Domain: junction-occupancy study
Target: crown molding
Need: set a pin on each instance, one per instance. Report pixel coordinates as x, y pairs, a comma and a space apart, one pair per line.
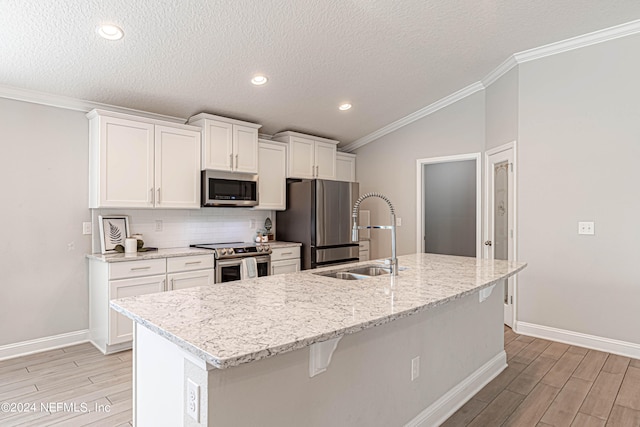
417, 115
511, 62
578, 42
75, 104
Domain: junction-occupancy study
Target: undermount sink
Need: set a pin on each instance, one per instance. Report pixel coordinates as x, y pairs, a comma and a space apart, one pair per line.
358, 273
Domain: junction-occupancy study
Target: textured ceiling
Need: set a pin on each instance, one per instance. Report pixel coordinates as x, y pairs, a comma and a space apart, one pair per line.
388, 58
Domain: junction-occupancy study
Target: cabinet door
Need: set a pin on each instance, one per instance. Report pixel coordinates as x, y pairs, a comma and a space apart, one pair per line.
217, 145
177, 170
245, 149
190, 279
325, 156
363, 255
272, 187
121, 327
345, 168
301, 153
126, 163
285, 266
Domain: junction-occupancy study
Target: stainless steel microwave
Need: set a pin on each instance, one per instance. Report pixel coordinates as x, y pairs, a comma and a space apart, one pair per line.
229, 189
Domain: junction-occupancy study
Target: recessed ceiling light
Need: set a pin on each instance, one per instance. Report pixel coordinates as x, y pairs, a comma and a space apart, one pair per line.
110, 31
344, 107
259, 80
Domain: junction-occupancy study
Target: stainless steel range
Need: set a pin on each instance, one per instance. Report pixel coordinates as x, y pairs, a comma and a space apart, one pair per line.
229, 257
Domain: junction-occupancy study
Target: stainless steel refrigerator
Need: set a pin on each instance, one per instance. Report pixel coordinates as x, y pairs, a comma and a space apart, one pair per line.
318, 215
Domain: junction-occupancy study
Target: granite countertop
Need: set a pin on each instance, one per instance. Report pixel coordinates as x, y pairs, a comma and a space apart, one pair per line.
160, 253
170, 253
232, 323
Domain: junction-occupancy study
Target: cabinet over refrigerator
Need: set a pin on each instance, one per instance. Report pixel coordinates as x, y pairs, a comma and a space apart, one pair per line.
319, 216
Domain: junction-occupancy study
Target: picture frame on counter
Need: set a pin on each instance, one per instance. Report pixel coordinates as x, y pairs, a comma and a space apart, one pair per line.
113, 230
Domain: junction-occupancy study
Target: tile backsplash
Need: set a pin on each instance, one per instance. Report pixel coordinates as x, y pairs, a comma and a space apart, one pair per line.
183, 227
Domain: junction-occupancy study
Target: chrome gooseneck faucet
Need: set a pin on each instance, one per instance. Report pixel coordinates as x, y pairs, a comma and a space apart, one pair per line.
354, 231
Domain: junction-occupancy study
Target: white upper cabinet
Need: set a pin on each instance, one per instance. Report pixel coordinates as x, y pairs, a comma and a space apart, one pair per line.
272, 173
135, 162
227, 144
346, 167
309, 156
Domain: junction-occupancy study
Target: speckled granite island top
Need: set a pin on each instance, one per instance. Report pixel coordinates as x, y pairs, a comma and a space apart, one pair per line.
232, 323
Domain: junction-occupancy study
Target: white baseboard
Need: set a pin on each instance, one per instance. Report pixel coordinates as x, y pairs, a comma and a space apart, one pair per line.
622, 348
438, 412
42, 344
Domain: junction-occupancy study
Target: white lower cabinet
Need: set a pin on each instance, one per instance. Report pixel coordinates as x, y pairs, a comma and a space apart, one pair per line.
111, 331
121, 327
285, 260
189, 279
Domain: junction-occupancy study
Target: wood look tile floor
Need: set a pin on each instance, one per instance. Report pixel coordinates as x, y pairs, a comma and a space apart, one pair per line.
72, 386
546, 384
554, 384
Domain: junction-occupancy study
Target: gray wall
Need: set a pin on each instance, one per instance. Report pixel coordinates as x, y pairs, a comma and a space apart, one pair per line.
576, 118
579, 147
388, 165
44, 171
502, 110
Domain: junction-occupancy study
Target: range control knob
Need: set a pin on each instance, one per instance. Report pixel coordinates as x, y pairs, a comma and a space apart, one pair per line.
266, 248
259, 248
223, 251
230, 251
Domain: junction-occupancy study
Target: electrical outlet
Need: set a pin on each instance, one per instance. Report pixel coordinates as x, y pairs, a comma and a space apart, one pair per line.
586, 227
415, 368
158, 225
71, 246
193, 400
252, 224
86, 228
398, 222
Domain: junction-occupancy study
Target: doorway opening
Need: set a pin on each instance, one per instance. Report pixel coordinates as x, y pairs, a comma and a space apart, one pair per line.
449, 205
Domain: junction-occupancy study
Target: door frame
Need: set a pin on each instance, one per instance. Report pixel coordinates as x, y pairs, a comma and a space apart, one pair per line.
420, 163
487, 175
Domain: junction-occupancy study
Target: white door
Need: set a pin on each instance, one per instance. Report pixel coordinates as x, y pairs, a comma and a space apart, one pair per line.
217, 146
500, 231
177, 168
245, 149
272, 170
301, 164
190, 279
325, 160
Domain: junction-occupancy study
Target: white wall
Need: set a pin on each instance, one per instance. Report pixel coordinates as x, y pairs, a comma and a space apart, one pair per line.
44, 192
579, 149
43, 186
388, 165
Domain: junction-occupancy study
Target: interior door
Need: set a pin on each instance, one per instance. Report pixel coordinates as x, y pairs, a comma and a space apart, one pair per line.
499, 242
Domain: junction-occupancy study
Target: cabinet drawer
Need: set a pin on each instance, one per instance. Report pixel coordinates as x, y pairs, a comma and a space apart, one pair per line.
189, 279
189, 263
363, 255
285, 253
127, 269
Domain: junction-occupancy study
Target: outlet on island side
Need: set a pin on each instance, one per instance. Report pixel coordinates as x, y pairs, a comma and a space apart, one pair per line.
415, 368
193, 400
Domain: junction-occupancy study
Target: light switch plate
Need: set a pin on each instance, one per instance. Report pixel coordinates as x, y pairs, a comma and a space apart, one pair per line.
586, 227
86, 228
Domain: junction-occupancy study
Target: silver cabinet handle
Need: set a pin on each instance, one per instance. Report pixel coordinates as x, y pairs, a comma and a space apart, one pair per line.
172, 285
286, 253
317, 171
230, 161
164, 285
236, 161
193, 262
152, 198
140, 268
158, 195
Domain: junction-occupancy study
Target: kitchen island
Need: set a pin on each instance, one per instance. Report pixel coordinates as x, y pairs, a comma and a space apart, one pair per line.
305, 349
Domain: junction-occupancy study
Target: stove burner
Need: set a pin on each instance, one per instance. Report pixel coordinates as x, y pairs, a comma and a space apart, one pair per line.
235, 249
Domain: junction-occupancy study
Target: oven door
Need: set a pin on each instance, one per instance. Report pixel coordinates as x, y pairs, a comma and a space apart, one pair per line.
228, 270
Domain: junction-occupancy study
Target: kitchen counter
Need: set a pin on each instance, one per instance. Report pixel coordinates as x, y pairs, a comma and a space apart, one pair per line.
239, 322
338, 352
139, 256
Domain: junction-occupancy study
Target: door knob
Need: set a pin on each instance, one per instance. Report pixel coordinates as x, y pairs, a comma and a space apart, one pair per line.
487, 243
